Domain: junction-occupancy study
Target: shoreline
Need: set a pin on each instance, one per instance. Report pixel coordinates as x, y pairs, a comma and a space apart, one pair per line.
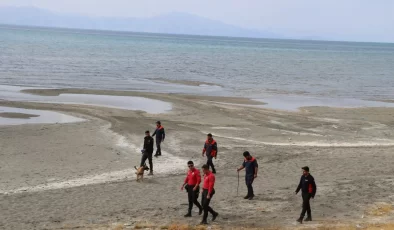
92, 171
185, 82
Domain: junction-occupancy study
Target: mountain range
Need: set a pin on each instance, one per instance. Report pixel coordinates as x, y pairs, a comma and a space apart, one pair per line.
171, 23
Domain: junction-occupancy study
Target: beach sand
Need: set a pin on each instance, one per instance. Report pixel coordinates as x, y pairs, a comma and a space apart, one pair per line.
81, 175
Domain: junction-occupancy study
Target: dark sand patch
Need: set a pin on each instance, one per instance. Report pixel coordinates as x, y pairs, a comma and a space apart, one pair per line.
184, 82
18, 115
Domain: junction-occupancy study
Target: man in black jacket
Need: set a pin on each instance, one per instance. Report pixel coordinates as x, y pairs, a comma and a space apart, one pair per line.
308, 187
148, 151
251, 167
160, 135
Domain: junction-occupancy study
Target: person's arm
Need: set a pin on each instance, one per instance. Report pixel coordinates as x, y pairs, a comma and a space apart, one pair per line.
215, 150
198, 177
152, 142
242, 167
256, 168
203, 150
313, 187
154, 133
145, 144
185, 182
211, 184
164, 135
299, 186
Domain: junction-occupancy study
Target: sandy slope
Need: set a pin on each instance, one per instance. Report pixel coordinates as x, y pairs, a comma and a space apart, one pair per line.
82, 174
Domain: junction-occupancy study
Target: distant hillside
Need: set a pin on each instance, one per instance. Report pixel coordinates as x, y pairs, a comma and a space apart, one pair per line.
173, 23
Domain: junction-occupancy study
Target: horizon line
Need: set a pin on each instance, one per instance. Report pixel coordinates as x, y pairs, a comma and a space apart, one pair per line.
124, 32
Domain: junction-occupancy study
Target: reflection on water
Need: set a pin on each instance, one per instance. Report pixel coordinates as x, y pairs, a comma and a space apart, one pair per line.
13, 93
41, 117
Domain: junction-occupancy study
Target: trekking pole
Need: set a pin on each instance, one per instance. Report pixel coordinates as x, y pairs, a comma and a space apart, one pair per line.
238, 184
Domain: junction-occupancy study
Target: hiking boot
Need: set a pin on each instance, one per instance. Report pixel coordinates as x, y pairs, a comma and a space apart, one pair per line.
150, 173
300, 220
246, 197
251, 197
204, 222
215, 214
308, 219
189, 214
200, 211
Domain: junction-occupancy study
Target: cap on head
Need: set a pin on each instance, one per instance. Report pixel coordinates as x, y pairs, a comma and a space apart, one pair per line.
158, 122
209, 135
190, 163
246, 154
205, 167
147, 131
306, 168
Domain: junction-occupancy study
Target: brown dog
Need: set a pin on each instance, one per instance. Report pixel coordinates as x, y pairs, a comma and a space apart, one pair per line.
140, 172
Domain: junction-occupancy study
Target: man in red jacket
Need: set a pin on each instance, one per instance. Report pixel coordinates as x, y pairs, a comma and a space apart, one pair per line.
208, 192
211, 150
192, 182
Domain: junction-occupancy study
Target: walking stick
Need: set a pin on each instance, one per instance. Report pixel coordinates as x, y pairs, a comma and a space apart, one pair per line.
238, 184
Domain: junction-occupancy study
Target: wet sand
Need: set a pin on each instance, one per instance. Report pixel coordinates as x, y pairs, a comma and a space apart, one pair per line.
183, 82
79, 175
17, 115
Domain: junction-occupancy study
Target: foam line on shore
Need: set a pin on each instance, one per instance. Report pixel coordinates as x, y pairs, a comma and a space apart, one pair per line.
312, 143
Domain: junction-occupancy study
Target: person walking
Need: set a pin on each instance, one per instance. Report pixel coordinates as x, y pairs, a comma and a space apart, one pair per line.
308, 187
192, 182
211, 150
207, 194
251, 167
147, 151
160, 135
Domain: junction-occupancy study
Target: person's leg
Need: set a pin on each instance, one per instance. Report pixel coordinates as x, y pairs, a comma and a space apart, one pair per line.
143, 159
159, 148
305, 204
195, 201
150, 163
210, 163
205, 203
210, 209
308, 209
251, 187
247, 186
190, 199
249, 181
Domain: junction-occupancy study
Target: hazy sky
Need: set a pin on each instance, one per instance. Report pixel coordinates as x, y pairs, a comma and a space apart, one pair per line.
343, 19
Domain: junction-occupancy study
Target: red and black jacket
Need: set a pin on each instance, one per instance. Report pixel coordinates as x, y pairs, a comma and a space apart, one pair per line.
211, 148
160, 134
307, 185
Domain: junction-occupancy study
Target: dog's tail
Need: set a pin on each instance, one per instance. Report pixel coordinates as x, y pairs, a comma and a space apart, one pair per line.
135, 167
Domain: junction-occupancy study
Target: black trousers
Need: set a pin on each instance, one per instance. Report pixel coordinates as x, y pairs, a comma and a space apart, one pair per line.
193, 196
249, 181
306, 206
210, 163
148, 156
158, 148
205, 204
